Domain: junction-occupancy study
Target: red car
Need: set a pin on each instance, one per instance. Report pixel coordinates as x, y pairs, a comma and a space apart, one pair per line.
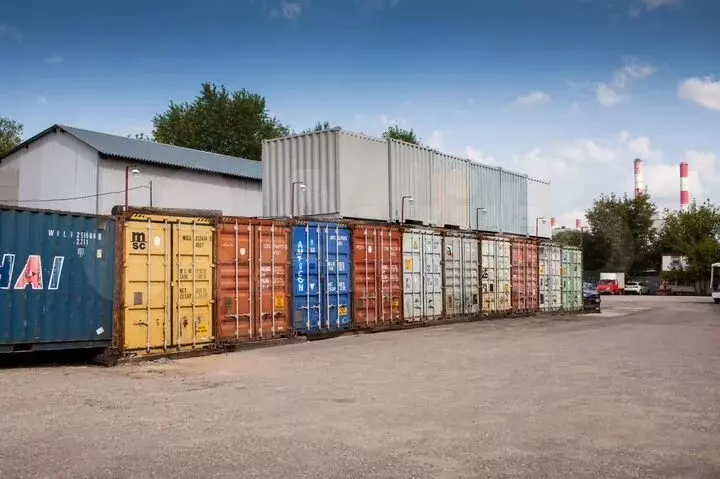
609, 286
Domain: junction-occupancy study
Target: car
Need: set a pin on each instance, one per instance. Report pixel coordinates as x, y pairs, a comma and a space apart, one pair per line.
636, 287
591, 298
609, 286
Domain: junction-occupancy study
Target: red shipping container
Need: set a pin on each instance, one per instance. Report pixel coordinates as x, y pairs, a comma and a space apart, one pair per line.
524, 275
253, 280
377, 276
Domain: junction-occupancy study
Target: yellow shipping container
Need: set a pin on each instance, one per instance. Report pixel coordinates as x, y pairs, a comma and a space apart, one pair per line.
167, 283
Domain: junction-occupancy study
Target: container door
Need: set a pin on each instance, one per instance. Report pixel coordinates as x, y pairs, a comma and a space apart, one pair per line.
452, 262
148, 261
192, 284
336, 271
471, 276
533, 302
554, 279
365, 276
503, 276
235, 282
543, 271
306, 272
413, 276
271, 250
487, 275
390, 284
432, 266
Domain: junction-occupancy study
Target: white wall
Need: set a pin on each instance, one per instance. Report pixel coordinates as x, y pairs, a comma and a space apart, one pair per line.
54, 168
178, 188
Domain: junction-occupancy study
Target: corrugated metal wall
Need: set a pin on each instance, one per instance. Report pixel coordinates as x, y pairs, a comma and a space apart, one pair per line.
538, 208
450, 198
364, 177
484, 184
513, 203
410, 174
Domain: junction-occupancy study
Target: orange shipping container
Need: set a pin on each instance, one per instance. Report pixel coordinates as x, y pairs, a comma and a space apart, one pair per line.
524, 285
377, 276
253, 280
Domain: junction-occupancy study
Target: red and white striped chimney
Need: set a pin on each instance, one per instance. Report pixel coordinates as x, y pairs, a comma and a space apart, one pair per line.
553, 222
684, 186
578, 224
639, 189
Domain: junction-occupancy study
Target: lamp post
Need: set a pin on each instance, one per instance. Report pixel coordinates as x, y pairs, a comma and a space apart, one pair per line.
582, 229
537, 225
129, 170
302, 187
402, 208
477, 216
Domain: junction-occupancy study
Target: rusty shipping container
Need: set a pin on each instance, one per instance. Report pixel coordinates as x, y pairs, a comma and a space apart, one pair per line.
495, 275
253, 280
377, 276
525, 268
461, 275
166, 263
422, 275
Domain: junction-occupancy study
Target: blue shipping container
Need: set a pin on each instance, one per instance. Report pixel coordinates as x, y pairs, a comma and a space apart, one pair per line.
56, 280
322, 295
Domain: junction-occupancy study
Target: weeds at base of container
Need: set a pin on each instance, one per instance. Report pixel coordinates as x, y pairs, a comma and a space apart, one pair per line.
231, 347
130, 358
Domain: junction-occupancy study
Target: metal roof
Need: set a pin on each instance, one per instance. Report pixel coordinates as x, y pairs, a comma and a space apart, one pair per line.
121, 147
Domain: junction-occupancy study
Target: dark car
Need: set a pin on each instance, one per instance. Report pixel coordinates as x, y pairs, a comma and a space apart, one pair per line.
591, 298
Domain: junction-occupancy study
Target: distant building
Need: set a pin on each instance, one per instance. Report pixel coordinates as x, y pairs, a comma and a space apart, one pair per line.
71, 169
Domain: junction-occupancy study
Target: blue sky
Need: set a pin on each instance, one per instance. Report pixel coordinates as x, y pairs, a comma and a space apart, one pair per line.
567, 90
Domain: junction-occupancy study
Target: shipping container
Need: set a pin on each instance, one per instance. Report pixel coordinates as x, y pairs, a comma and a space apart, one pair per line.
330, 173
495, 276
484, 185
56, 280
411, 179
167, 281
538, 208
550, 278
253, 280
450, 195
322, 291
461, 274
513, 203
524, 284
377, 276
572, 273
422, 275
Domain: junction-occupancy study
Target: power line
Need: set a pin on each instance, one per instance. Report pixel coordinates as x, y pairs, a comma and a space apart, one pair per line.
76, 197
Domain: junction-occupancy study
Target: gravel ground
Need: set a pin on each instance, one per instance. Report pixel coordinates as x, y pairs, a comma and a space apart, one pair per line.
632, 392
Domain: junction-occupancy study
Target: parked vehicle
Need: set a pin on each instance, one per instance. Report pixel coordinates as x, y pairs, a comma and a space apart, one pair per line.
591, 298
715, 282
611, 283
636, 287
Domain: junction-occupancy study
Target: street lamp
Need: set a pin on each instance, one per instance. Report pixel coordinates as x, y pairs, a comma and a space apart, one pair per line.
302, 187
477, 216
129, 170
537, 225
402, 208
582, 229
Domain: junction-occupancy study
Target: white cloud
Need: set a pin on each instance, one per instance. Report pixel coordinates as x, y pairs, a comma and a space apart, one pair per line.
289, 10
606, 95
653, 4
477, 156
55, 59
532, 98
435, 140
575, 109
42, 99
10, 31
632, 71
702, 91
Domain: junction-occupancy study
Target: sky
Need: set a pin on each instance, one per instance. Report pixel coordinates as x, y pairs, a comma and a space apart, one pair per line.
570, 91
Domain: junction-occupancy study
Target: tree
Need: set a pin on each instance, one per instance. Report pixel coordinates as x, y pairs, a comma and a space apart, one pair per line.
594, 257
622, 232
397, 133
10, 134
695, 234
230, 123
141, 136
319, 126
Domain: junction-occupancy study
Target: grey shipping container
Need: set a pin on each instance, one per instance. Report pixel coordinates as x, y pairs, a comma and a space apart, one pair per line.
538, 208
450, 198
343, 175
498, 199
513, 203
411, 176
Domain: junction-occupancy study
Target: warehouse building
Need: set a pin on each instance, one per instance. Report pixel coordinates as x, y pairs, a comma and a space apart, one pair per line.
71, 169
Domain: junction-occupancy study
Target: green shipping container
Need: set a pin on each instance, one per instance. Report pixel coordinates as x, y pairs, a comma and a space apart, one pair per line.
572, 282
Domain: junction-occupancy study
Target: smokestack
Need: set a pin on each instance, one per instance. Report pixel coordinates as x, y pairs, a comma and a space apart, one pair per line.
553, 222
684, 187
578, 224
639, 190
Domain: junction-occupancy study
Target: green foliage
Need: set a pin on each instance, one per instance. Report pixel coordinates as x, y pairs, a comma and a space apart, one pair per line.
397, 133
593, 258
319, 126
142, 136
10, 134
230, 123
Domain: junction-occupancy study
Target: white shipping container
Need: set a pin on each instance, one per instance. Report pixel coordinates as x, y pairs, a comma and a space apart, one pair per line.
550, 279
572, 282
450, 198
411, 176
538, 208
495, 276
461, 275
422, 275
345, 175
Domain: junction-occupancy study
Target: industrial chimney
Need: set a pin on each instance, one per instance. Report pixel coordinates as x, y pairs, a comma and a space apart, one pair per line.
578, 224
684, 187
639, 190
553, 222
